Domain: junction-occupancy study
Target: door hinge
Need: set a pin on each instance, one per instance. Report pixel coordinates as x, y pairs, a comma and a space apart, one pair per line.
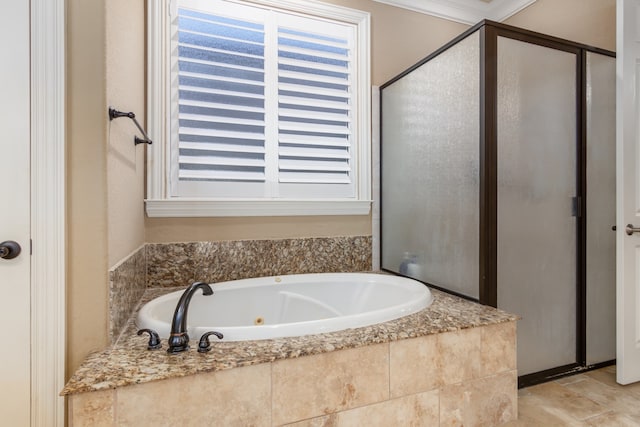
30, 247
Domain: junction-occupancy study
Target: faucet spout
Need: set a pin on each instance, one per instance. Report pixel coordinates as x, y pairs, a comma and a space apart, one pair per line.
179, 339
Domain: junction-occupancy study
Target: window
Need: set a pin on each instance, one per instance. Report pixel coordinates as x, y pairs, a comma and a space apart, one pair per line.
258, 108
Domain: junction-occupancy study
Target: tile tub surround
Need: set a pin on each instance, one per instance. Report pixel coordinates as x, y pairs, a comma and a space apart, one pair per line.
453, 362
129, 362
398, 382
180, 264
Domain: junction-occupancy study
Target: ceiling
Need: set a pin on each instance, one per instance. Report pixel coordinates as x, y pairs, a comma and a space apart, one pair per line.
465, 11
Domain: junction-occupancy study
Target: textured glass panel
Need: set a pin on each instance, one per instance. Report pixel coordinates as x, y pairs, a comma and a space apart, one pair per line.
601, 208
430, 172
536, 186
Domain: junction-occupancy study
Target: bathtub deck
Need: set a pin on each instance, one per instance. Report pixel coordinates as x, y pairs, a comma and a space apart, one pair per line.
128, 361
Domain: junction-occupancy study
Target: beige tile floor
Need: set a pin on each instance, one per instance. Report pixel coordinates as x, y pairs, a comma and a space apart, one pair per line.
590, 399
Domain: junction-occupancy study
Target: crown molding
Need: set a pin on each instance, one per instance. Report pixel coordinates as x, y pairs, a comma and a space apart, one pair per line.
464, 11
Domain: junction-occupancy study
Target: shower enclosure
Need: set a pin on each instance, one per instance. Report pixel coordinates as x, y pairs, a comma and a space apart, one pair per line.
498, 184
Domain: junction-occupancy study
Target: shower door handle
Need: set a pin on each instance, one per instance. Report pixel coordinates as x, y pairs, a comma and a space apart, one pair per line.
630, 229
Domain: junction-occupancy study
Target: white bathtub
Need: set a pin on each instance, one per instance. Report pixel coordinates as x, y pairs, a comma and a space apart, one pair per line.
294, 305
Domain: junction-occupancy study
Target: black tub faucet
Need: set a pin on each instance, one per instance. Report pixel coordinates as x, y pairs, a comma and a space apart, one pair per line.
179, 339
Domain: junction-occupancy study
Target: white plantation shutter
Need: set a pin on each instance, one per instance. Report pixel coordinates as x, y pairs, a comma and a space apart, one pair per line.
257, 108
314, 103
221, 98
264, 104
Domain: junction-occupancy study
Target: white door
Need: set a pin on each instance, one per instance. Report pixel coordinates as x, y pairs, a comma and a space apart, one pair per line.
628, 190
15, 214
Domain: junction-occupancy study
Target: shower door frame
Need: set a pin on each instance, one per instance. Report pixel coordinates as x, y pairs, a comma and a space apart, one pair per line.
489, 32
488, 286
489, 180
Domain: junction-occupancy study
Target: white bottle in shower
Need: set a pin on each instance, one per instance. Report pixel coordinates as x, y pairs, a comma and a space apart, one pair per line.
409, 265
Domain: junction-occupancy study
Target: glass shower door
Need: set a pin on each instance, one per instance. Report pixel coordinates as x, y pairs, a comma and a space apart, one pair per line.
537, 186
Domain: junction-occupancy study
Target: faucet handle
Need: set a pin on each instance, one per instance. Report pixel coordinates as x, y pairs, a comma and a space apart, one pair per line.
154, 339
204, 345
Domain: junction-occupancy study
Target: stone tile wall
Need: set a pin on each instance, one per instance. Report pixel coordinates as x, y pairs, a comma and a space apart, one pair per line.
465, 377
180, 264
127, 283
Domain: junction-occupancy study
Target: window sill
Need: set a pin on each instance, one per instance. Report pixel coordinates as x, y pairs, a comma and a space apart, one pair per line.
172, 208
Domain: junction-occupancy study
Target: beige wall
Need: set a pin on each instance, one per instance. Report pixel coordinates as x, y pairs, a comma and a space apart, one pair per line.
105, 178
86, 181
161, 230
125, 63
592, 22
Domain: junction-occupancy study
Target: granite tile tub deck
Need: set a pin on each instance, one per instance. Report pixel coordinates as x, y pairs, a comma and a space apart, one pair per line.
128, 361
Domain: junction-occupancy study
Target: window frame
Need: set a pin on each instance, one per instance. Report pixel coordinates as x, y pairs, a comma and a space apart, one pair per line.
158, 202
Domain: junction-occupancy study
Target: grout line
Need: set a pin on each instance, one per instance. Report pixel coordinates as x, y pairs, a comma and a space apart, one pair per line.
389, 371
114, 410
271, 392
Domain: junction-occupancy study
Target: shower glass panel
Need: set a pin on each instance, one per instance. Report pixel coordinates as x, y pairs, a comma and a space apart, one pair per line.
601, 203
430, 170
537, 183
498, 184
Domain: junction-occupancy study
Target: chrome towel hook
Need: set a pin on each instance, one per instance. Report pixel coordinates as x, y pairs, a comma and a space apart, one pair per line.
114, 114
